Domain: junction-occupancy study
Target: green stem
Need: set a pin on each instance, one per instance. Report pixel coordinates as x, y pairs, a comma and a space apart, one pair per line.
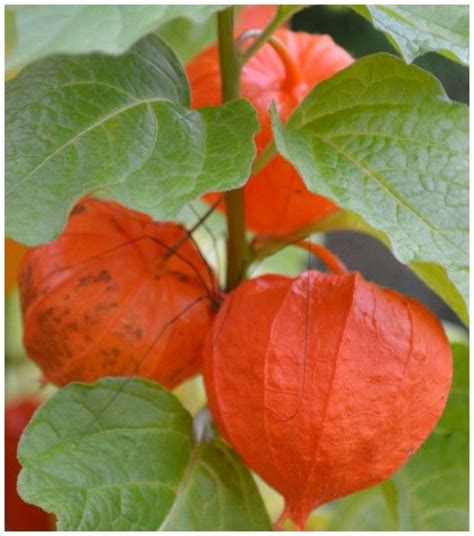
228, 59
282, 15
265, 246
237, 247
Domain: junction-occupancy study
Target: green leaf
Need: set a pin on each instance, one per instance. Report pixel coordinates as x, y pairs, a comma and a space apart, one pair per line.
187, 37
383, 140
362, 511
450, 284
456, 415
117, 127
45, 30
431, 492
416, 30
10, 32
391, 499
120, 455
433, 488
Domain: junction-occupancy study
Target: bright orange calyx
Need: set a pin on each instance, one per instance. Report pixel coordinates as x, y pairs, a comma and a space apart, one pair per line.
324, 384
330, 260
276, 199
115, 296
294, 77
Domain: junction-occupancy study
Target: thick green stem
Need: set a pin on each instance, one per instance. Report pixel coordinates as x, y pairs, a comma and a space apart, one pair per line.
228, 59
237, 247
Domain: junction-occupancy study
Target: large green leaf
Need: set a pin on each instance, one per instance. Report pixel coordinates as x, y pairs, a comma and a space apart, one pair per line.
118, 127
120, 455
416, 30
382, 139
45, 30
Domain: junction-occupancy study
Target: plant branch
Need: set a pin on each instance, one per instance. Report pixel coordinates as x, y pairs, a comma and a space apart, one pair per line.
282, 15
228, 59
263, 246
237, 247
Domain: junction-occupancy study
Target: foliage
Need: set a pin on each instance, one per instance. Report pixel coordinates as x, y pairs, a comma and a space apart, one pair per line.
101, 106
132, 464
85, 124
83, 29
383, 140
415, 30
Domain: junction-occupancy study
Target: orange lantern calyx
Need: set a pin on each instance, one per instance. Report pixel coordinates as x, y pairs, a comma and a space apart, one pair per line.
294, 76
335, 265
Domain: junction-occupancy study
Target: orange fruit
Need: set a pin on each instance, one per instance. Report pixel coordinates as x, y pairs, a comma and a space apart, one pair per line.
108, 298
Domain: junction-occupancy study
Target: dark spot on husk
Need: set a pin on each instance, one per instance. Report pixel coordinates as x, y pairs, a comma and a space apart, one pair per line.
44, 291
179, 276
111, 288
44, 316
78, 209
28, 292
135, 332
103, 307
102, 276
117, 225
90, 320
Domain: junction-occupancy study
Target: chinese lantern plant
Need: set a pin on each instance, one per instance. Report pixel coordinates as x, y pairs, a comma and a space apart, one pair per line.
323, 384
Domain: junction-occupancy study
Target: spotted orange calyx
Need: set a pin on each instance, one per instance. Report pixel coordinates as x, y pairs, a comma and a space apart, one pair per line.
324, 384
112, 297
